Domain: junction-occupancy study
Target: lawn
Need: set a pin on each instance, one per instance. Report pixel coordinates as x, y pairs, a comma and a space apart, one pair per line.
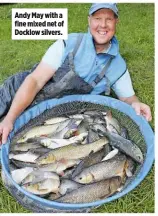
136, 35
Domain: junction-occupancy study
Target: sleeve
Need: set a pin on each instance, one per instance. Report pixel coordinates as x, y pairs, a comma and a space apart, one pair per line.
53, 56
123, 87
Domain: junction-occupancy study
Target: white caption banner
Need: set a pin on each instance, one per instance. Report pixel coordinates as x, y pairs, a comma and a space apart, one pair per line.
39, 24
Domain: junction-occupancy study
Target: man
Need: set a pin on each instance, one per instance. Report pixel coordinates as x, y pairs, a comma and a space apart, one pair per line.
97, 62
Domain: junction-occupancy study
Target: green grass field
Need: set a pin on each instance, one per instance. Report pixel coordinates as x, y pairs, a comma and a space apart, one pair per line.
136, 35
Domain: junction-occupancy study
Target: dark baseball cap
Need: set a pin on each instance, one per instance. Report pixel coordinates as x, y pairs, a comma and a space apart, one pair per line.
98, 6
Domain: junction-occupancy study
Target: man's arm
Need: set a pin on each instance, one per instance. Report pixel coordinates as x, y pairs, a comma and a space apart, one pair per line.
124, 91
24, 96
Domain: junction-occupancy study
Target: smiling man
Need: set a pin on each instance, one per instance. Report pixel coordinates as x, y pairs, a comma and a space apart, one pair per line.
86, 63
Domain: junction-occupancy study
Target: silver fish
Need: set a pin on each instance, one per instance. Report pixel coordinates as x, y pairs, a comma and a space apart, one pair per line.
111, 154
91, 159
58, 166
54, 120
68, 185
53, 143
44, 187
126, 146
21, 164
112, 123
26, 157
19, 175
71, 152
24, 146
103, 170
37, 176
92, 192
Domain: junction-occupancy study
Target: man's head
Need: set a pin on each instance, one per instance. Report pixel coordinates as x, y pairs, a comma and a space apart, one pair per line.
102, 22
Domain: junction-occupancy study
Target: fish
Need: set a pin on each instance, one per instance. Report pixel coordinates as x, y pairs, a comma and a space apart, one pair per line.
53, 196
58, 166
92, 192
112, 123
24, 146
89, 160
124, 133
92, 136
111, 154
40, 151
43, 130
57, 143
38, 131
37, 176
54, 120
68, 185
68, 173
126, 146
67, 131
26, 157
71, 152
130, 167
98, 127
77, 116
103, 170
21, 164
19, 175
44, 187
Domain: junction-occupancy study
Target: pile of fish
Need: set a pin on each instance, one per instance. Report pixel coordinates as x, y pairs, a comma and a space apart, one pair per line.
75, 159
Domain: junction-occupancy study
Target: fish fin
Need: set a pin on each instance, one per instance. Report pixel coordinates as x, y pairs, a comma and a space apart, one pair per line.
120, 189
109, 114
105, 196
61, 173
128, 173
91, 153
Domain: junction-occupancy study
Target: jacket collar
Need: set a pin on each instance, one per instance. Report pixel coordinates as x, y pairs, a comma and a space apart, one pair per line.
113, 50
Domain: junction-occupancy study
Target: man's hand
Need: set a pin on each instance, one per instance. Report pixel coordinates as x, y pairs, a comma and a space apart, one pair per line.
142, 109
6, 127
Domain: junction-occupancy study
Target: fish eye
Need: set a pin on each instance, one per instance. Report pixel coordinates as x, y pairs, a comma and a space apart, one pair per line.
80, 178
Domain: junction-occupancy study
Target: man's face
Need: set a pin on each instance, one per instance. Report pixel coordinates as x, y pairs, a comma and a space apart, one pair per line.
102, 26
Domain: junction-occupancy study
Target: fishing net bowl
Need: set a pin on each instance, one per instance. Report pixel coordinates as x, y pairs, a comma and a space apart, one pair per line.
138, 129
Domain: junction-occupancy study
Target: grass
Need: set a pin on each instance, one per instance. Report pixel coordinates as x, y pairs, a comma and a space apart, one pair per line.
136, 35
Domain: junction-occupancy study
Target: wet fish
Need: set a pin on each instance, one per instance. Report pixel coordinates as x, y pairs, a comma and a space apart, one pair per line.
53, 196
37, 176
92, 136
112, 123
89, 160
92, 192
26, 157
24, 146
40, 151
57, 143
67, 131
98, 127
44, 130
124, 133
126, 146
54, 120
71, 152
38, 131
103, 170
21, 164
77, 116
44, 187
68, 173
130, 167
68, 185
59, 166
111, 154
19, 175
